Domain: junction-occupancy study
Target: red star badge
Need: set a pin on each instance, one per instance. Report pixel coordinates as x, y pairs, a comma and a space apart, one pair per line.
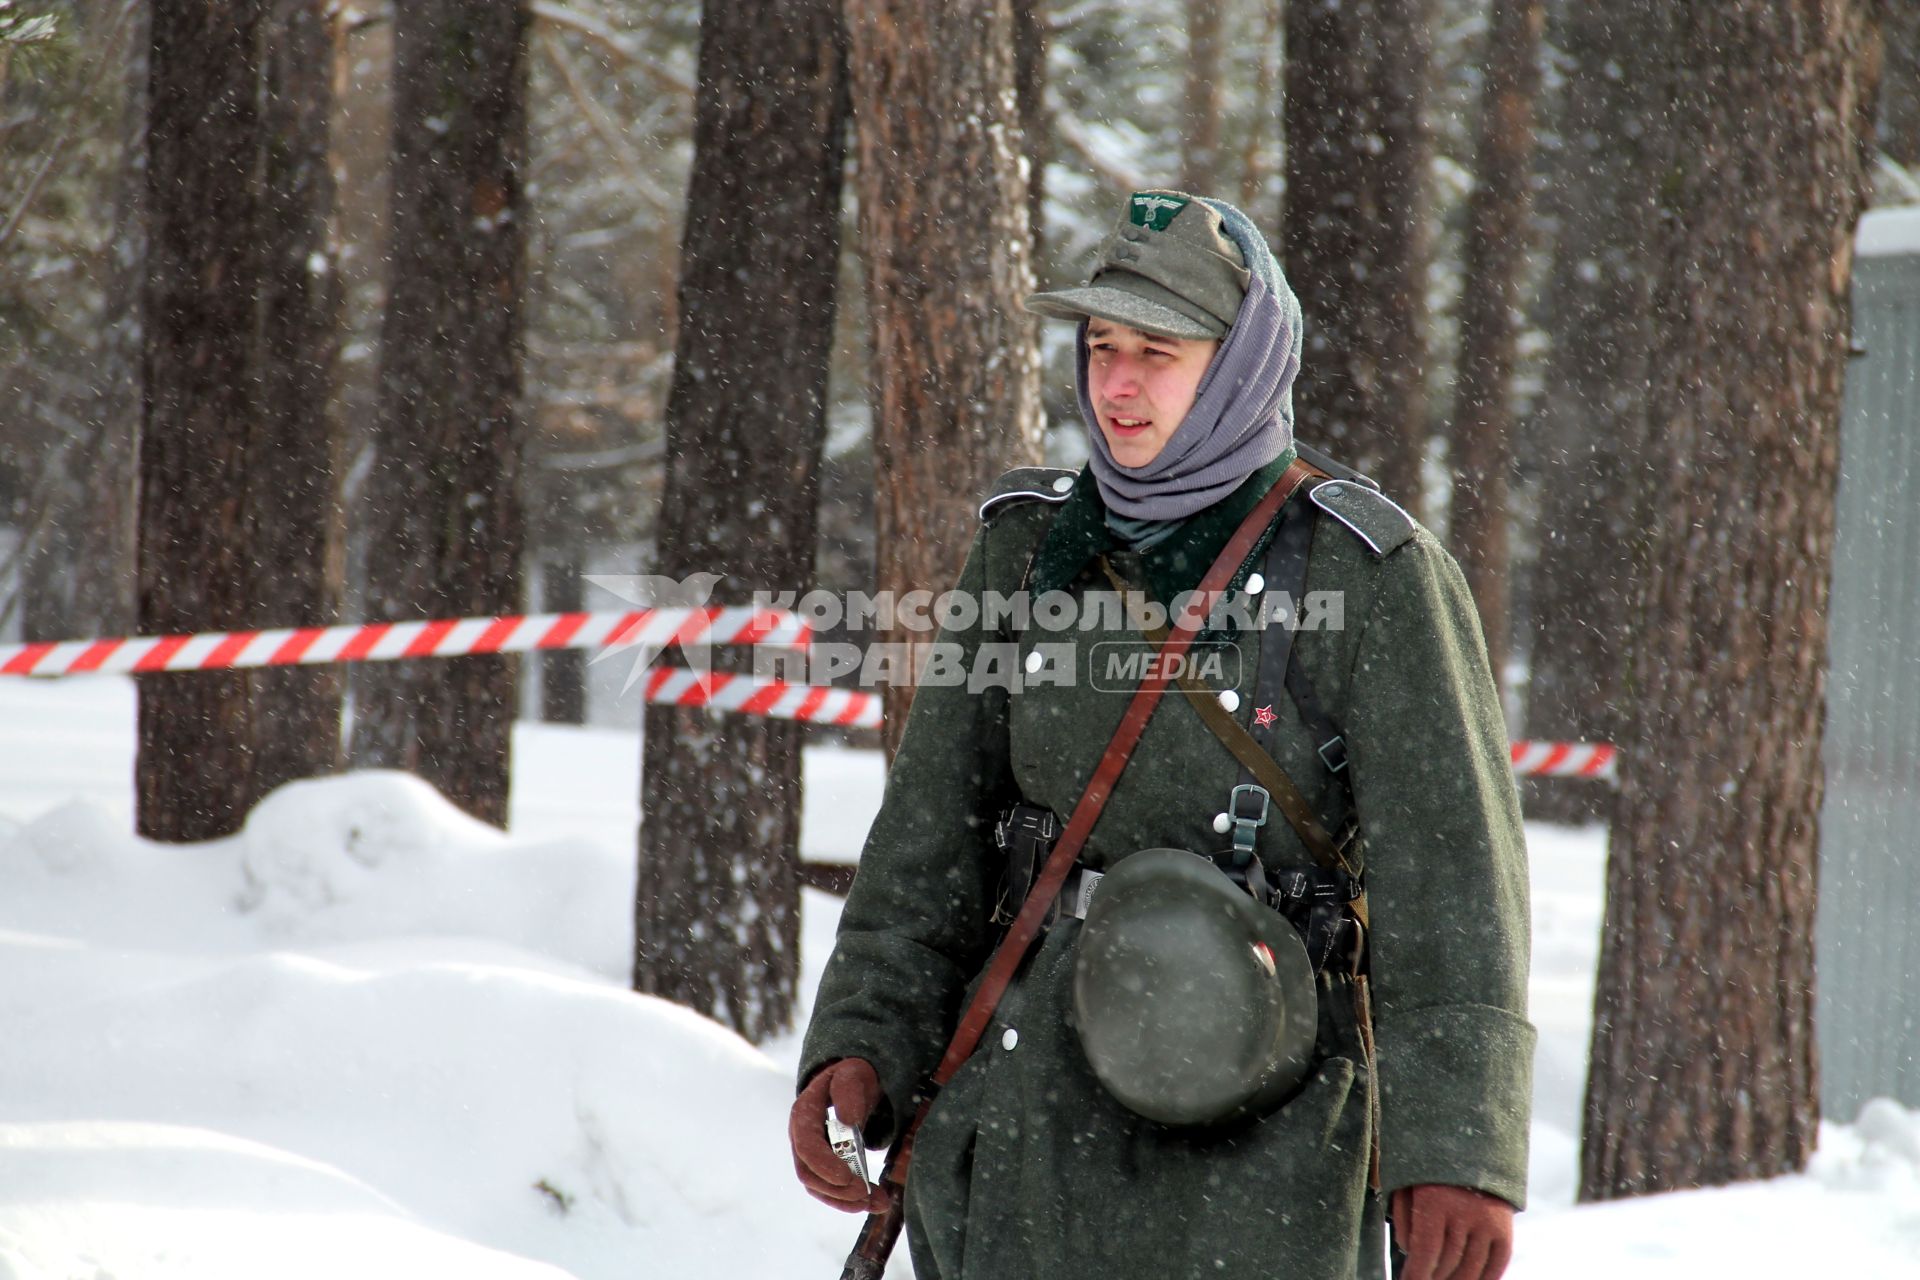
1263, 716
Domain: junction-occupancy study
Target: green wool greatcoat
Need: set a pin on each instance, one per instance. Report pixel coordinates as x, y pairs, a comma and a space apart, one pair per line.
1025, 1166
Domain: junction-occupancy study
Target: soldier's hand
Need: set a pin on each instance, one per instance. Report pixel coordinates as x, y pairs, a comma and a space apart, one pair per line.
852, 1088
1452, 1233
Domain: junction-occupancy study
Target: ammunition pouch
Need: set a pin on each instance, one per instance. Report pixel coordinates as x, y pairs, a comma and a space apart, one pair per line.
1318, 904
1025, 834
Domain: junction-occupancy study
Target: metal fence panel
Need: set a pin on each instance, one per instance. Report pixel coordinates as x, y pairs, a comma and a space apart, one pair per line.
1867, 936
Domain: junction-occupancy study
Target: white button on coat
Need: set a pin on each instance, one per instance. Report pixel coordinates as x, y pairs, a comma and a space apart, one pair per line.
1229, 699
1010, 1039
1255, 584
1035, 661
1222, 823
1063, 484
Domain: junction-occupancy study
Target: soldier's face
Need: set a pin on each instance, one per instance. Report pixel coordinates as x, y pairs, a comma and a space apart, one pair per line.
1142, 385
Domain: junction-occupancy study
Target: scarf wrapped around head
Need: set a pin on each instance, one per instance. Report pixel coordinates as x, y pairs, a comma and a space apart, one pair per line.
1242, 414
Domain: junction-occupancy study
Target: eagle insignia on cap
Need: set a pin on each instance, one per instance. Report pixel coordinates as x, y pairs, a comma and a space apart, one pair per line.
1153, 211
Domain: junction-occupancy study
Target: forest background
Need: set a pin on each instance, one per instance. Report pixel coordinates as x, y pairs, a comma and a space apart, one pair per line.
1525, 234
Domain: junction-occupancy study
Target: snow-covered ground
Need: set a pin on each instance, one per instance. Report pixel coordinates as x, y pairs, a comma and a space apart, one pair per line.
368, 1037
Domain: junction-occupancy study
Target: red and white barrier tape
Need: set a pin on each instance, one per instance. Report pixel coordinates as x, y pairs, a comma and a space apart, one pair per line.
391, 641
522, 633
816, 703
1564, 760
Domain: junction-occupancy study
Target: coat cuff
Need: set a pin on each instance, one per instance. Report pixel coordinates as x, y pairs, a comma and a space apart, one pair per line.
1456, 1091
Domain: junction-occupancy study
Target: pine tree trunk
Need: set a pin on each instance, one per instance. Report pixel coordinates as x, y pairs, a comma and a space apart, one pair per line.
234, 519
1703, 1062
943, 234
1495, 253
445, 511
1201, 163
718, 909
1354, 237
1585, 441
192, 764
235, 515
293, 468
1036, 122
563, 673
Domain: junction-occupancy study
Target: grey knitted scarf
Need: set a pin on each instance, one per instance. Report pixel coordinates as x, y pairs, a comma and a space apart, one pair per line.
1242, 414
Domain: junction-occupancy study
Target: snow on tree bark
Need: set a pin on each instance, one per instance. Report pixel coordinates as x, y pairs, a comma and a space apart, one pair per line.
717, 913
1703, 1066
446, 519
944, 239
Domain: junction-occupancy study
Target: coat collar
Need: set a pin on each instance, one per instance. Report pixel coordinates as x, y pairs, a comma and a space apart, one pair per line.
1079, 534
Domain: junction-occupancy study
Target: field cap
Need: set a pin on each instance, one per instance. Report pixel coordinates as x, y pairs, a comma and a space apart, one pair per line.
1167, 268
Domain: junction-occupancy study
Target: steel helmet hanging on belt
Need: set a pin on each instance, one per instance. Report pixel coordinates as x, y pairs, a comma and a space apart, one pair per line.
1195, 1004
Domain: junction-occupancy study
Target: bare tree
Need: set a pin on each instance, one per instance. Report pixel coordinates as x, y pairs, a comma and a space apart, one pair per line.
444, 506
943, 235
1498, 226
717, 918
1703, 1065
1355, 236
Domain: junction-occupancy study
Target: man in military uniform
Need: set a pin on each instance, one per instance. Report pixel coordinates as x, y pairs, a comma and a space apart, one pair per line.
1027, 1164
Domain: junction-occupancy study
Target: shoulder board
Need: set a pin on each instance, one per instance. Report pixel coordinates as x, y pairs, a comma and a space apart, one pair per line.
1377, 519
1338, 470
1026, 484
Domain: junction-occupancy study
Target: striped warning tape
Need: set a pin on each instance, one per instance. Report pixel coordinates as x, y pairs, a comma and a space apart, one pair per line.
392, 641
747, 695
523, 633
1564, 760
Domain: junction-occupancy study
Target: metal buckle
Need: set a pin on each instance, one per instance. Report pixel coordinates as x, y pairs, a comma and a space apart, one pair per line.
1245, 824
1339, 742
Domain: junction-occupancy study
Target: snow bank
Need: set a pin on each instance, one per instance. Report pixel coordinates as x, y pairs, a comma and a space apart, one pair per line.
368, 855
1856, 1212
532, 1112
1884, 233
369, 1037
111, 1200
